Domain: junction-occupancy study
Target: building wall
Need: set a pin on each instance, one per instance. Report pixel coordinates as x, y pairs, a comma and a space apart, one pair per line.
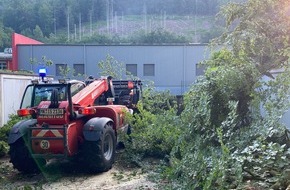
16, 40
5, 64
175, 65
6, 59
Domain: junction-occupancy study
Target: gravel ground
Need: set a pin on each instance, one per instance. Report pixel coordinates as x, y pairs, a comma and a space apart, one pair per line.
62, 175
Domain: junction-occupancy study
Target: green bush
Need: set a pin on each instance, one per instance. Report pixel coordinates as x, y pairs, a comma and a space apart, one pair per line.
158, 36
3, 148
221, 139
155, 128
226, 139
4, 131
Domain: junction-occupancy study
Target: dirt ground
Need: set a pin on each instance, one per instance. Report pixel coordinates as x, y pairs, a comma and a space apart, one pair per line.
62, 175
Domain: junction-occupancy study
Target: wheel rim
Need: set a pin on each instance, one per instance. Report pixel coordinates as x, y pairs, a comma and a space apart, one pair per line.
108, 147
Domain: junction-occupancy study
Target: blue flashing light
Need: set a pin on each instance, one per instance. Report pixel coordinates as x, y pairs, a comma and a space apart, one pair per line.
42, 72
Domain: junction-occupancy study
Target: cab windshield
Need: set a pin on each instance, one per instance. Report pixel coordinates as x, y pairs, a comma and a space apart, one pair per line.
34, 94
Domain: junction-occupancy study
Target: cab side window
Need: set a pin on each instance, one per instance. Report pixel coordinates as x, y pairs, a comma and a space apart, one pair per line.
76, 87
27, 98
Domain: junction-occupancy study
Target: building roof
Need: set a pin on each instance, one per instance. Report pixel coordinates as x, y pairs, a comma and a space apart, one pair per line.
120, 44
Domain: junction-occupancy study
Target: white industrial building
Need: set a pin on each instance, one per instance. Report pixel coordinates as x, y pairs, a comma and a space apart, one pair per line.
170, 67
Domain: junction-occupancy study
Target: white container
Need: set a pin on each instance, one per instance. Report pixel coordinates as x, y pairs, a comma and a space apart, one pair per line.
12, 87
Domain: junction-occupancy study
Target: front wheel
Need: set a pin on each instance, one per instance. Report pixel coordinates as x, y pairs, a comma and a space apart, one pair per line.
21, 159
99, 155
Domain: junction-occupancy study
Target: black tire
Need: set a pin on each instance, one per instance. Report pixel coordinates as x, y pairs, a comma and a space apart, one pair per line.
21, 159
121, 144
99, 155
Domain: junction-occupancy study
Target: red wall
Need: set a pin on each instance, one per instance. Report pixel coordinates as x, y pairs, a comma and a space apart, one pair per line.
16, 40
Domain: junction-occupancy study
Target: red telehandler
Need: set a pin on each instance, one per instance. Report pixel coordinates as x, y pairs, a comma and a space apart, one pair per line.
71, 119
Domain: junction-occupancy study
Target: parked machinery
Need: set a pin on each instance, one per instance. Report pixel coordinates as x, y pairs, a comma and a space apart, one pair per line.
72, 119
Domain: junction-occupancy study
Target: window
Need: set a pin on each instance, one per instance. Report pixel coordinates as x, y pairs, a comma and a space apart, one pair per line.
60, 69
3, 65
131, 69
79, 69
149, 70
76, 87
199, 70
26, 102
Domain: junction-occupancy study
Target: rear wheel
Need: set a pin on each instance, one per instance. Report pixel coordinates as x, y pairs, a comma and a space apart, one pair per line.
99, 155
21, 159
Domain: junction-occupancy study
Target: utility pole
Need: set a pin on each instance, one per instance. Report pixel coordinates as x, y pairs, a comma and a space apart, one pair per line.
122, 23
195, 25
164, 20
150, 25
112, 14
91, 24
108, 16
68, 36
145, 16
116, 22
161, 18
54, 26
54, 20
75, 32
80, 25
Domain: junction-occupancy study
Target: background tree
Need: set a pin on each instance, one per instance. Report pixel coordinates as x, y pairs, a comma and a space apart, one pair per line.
18, 15
158, 37
37, 33
44, 16
5, 37
52, 16
114, 68
225, 140
259, 31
